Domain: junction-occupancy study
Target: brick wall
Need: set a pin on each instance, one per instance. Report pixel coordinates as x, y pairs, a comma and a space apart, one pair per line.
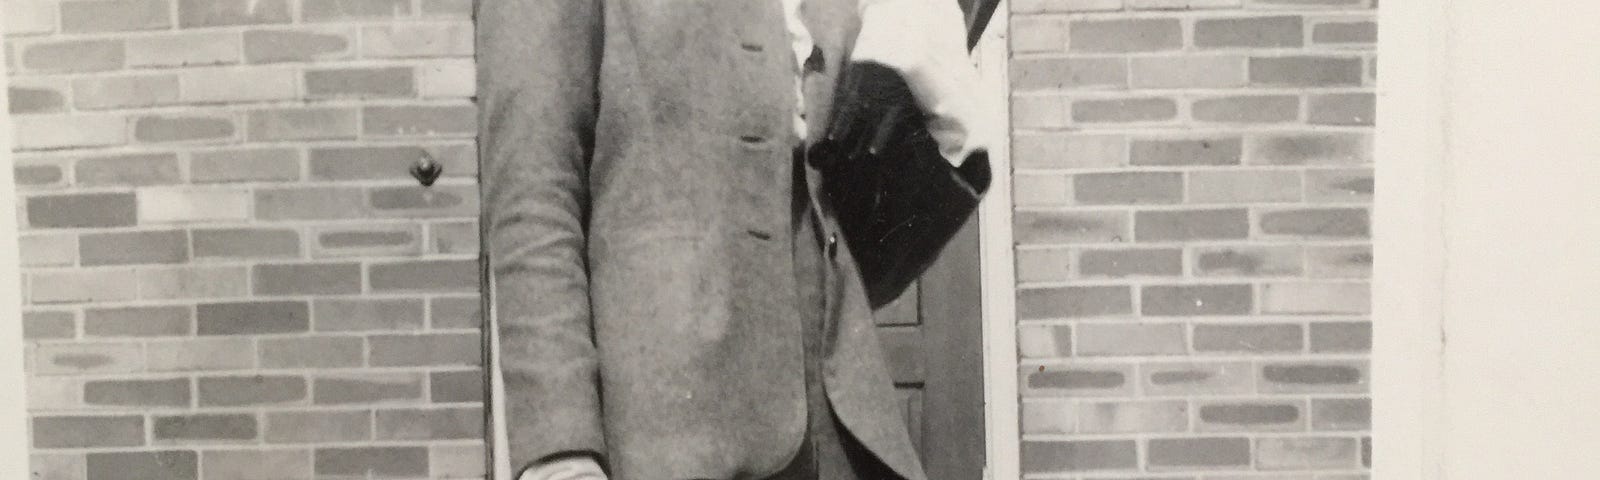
1193, 183
228, 273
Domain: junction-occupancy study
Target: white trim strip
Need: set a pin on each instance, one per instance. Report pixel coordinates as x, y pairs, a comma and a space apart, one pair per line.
1003, 436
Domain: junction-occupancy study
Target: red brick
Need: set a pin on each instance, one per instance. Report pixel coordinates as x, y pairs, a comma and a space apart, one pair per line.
1197, 452
367, 388
389, 162
1316, 298
391, 239
48, 250
438, 349
192, 282
1244, 186
238, 85
1251, 415
381, 462
141, 321
129, 248
131, 169
1044, 341
457, 461
1049, 416
1306, 453
1249, 337
1124, 188
454, 78
1186, 151
1124, 35
88, 431
35, 99
1309, 149
171, 392
1071, 226
250, 318
1305, 71
73, 56
30, 17
202, 354
1247, 109
1188, 71
312, 352
80, 16
1341, 337
1068, 73
1041, 190
30, 175
1124, 110
1340, 261
186, 128
317, 426
1044, 265
1249, 32
455, 312
1078, 455
165, 465
215, 13
1317, 223
425, 275
184, 205
361, 82
309, 203
1197, 378
1068, 302
244, 165
1313, 377
1069, 151
306, 279
1131, 262
41, 132
251, 390
246, 243
412, 40
1350, 109
1344, 33
367, 314
1081, 380
1119, 339
431, 120
1037, 34
313, 123
203, 428
46, 325
184, 49
353, 9
1133, 417
1196, 300
86, 358
453, 8
76, 286
1341, 414
1037, 112
1183, 225
430, 424
1349, 185
257, 465
270, 46
456, 387
453, 237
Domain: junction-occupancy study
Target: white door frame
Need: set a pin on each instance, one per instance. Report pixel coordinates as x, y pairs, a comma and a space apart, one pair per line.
1002, 435
13, 405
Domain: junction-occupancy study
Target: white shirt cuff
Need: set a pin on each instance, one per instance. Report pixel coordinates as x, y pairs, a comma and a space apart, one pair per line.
925, 40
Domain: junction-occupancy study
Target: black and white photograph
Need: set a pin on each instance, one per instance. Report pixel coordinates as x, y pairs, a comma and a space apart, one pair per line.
799, 240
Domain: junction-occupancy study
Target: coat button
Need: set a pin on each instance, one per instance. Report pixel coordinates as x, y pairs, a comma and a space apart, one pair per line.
833, 245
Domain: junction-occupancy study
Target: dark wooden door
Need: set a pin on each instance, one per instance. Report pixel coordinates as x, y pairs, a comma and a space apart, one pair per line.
933, 337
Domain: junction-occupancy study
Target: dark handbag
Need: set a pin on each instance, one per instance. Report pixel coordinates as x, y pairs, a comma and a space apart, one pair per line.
897, 199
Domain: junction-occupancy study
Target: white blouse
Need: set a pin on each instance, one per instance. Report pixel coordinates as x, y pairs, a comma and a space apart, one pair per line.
924, 40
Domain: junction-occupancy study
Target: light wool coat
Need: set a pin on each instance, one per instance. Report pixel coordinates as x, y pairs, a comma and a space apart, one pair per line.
637, 170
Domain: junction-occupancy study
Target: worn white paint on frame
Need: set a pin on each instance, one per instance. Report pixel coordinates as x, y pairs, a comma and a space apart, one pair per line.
997, 252
13, 404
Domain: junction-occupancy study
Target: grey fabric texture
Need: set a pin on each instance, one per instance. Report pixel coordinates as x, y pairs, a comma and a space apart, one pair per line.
637, 173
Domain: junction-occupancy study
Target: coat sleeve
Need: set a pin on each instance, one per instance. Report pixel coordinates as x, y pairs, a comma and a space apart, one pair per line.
538, 63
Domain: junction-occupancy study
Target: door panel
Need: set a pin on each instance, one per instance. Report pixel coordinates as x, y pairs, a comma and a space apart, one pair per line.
932, 336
